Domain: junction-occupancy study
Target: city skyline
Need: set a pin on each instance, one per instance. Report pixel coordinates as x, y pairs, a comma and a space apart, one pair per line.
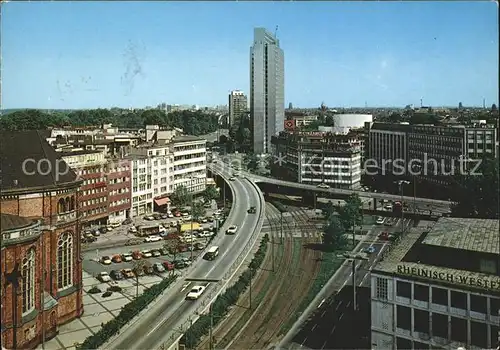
132, 55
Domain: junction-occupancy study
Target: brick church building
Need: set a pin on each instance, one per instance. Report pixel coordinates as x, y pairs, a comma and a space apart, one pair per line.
41, 281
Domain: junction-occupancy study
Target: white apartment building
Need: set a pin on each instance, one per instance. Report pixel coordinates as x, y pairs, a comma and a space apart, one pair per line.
159, 167
439, 288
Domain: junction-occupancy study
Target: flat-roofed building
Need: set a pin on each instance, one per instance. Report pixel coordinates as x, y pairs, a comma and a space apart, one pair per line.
438, 287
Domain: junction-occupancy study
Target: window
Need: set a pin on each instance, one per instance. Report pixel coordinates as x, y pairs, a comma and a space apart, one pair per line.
440, 325
403, 289
440, 296
459, 300
403, 317
28, 283
382, 288
421, 321
478, 303
479, 334
459, 330
65, 260
495, 336
495, 306
421, 292
403, 344
420, 346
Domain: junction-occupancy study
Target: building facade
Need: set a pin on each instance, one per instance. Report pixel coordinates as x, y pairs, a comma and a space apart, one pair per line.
317, 158
238, 107
439, 288
90, 166
41, 284
387, 143
267, 89
118, 183
162, 165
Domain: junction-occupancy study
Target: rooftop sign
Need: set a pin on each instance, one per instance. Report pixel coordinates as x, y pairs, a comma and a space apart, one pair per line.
492, 283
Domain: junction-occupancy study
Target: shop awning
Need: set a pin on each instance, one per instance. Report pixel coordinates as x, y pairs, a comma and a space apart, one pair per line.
162, 201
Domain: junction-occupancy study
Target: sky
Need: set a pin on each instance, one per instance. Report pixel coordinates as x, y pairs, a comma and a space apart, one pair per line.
69, 55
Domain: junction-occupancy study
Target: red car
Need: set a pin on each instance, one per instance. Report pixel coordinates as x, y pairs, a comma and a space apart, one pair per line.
177, 214
384, 236
168, 265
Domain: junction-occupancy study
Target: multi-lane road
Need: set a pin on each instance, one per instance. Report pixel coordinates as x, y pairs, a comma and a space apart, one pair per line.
334, 316
152, 328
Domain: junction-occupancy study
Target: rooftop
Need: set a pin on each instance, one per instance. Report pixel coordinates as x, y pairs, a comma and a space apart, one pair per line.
186, 138
480, 235
78, 153
393, 261
10, 222
22, 152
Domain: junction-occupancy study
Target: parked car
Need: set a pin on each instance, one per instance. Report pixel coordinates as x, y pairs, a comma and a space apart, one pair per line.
132, 229
138, 271
380, 220
149, 217
153, 239
116, 275
195, 292
146, 254
137, 255
158, 267
104, 277
127, 257
96, 233
116, 258
106, 260
323, 186
163, 251
187, 261
384, 236
128, 273
369, 250
199, 246
155, 253
179, 264
148, 269
168, 265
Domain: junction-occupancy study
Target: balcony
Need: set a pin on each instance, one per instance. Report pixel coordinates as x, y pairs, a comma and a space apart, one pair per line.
66, 217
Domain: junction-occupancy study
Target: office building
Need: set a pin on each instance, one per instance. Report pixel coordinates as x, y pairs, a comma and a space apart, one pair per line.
41, 281
238, 107
387, 143
438, 287
159, 166
267, 89
93, 199
317, 157
118, 183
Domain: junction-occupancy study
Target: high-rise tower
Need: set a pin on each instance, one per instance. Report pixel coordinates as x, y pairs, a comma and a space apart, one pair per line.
238, 107
267, 89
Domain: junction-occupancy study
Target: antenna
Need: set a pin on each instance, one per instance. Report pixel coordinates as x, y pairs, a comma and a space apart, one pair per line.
276, 32
484, 103
421, 103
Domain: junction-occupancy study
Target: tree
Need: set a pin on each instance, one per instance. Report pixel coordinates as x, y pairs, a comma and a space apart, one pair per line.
198, 210
252, 161
394, 117
138, 267
329, 120
351, 214
334, 234
210, 193
476, 195
172, 247
181, 196
329, 209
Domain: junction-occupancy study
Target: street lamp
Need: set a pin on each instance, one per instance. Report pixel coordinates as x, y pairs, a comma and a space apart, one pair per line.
354, 257
401, 183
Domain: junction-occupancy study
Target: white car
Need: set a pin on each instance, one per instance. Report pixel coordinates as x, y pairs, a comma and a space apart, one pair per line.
323, 186
232, 178
104, 277
195, 292
232, 230
153, 239
133, 229
127, 257
106, 260
388, 207
146, 254
380, 220
187, 218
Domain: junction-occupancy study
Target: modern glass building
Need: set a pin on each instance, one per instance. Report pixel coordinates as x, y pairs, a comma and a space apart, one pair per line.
267, 89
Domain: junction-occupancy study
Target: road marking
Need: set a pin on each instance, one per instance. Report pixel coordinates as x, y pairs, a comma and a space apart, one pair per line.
320, 304
314, 327
185, 286
338, 305
341, 317
333, 329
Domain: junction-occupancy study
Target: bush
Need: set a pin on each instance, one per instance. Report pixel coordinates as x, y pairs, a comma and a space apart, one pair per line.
222, 304
94, 290
128, 312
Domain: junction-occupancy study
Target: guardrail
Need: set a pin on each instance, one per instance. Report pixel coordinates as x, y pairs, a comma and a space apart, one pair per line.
173, 286
176, 335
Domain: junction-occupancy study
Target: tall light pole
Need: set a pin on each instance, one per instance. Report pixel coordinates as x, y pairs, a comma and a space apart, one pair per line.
354, 258
401, 183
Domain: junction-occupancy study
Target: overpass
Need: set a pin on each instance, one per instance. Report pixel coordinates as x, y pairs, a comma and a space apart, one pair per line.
312, 192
